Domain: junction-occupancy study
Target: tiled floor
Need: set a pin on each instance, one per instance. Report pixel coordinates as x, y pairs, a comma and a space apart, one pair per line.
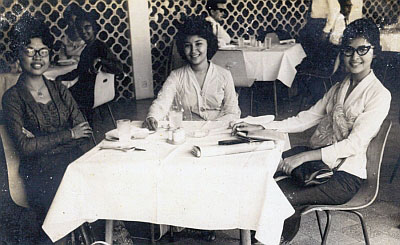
382, 217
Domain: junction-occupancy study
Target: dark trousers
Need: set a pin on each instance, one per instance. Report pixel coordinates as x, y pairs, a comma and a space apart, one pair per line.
341, 187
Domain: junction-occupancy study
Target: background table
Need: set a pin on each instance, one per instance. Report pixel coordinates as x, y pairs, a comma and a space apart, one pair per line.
168, 185
277, 63
55, 71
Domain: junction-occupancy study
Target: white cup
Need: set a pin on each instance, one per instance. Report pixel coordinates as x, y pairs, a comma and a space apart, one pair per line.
124, 131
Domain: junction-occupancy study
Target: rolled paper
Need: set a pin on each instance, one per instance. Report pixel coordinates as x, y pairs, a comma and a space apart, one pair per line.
217, 150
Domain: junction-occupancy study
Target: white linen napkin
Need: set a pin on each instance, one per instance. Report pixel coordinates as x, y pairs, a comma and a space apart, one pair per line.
217, 150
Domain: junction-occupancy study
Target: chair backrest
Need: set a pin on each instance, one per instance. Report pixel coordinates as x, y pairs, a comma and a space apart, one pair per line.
9, 157
104, 90
233, 60
369, 189
175, 60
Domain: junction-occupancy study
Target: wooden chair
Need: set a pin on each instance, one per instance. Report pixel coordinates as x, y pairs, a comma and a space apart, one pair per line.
368, 191
13, 182
9, 156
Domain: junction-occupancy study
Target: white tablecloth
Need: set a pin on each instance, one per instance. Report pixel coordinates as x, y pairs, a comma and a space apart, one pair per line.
55, 71
279, 62
168, 185
390, 40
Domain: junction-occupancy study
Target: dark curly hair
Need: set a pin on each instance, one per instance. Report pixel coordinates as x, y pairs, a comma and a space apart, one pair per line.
26, 28
364, 28
91, 18
196, 25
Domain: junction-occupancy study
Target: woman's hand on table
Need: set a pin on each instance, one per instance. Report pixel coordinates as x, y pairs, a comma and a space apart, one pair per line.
82, 130
245, 128
150, 123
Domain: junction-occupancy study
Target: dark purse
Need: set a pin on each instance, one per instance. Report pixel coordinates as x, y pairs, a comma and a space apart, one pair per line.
313, 173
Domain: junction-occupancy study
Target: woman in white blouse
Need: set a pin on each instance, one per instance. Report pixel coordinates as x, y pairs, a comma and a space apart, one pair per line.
348, 117
205, 90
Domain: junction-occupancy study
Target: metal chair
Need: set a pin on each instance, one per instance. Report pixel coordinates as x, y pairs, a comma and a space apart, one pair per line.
396, 167
315, 73
368, 191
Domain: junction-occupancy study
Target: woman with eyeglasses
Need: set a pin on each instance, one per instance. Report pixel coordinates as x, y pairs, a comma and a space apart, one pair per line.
347, 118
42, 119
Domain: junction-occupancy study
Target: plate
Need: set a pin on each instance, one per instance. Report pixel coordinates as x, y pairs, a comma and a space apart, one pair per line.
136, 133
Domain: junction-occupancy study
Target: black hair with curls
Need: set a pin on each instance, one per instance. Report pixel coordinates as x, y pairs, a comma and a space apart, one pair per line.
26, 28
91, 18
196, 25
364, 28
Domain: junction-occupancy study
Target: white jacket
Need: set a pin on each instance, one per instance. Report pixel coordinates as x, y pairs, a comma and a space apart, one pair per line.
366, 107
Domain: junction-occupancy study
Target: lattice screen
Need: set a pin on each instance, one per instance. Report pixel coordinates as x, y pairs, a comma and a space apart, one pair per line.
113, 19
244, 16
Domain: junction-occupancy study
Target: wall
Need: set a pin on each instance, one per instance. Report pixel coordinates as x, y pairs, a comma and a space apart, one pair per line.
113, 19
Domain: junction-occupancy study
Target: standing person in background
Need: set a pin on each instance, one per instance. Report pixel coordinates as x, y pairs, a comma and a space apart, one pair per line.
96, 56
217, 13
342, 20
72, 43
323, 15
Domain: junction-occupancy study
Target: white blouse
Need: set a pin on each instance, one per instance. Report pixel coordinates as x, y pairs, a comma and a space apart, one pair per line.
216, 100
366, 107
219, 31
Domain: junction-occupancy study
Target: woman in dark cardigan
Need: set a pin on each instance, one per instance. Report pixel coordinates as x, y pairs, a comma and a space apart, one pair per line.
96, 56
42, 117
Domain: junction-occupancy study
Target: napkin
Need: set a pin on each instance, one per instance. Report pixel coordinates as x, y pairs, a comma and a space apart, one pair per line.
217, 150
254, 120
136, 133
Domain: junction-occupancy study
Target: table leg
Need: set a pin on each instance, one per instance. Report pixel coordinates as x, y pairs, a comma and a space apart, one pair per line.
245, 237
109, 231
275, 99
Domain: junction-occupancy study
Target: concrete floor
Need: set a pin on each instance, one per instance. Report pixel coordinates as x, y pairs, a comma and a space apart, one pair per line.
382, 217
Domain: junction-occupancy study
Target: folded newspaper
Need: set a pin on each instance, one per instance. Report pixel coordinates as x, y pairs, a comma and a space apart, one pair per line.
217, 150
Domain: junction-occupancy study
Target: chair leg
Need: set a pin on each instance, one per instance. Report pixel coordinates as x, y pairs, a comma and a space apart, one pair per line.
92, 135
363, 225
327, 227
319, 225
251, 100
111, 114
396, 167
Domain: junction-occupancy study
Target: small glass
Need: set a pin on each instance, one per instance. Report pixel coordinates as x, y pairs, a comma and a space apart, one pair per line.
268, 42
241, 42
175, 118
253, 41
124, 132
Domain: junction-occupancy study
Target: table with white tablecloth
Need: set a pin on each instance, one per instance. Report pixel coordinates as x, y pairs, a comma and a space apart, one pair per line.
166, 184
277, 63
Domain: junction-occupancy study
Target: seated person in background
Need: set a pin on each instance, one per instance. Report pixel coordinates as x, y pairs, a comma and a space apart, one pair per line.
216, 16
206, 90
43, 118
72, 43
96, 56
347, 118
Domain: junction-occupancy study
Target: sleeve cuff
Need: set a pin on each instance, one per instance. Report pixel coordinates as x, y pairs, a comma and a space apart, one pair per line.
329, 155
